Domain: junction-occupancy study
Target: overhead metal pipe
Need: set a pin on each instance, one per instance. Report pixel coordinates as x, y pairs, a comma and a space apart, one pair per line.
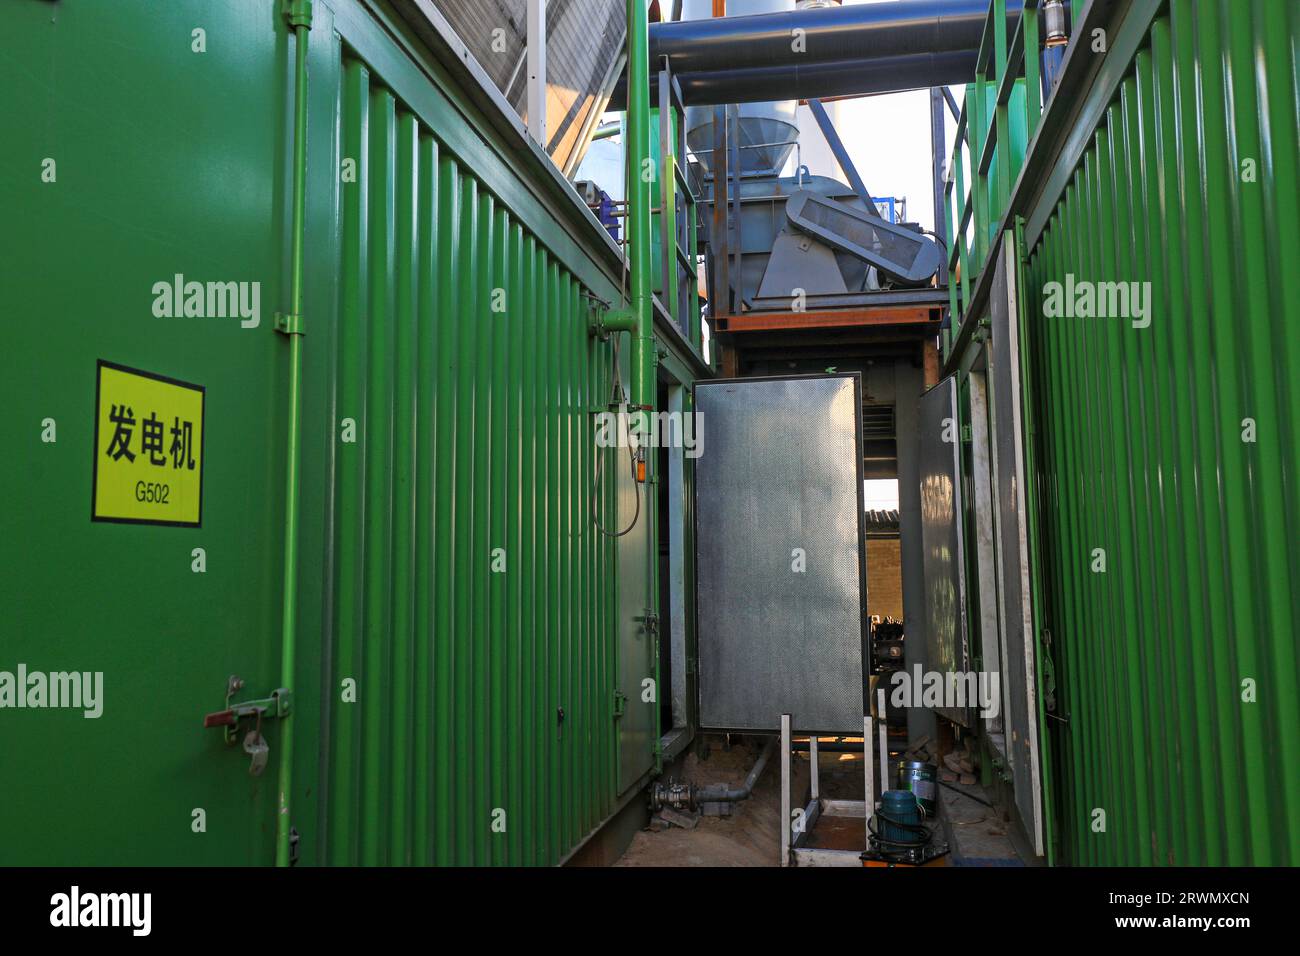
837, 51
866, 31
759, 84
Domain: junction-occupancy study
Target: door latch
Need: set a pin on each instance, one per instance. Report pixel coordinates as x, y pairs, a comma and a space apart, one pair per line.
279, 704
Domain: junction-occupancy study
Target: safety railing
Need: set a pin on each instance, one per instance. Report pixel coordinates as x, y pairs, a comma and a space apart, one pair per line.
675, 214
997, 120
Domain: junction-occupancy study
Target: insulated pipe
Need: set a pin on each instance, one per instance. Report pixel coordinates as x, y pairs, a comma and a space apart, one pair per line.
719, 60
814, 80
866, 31
890, 74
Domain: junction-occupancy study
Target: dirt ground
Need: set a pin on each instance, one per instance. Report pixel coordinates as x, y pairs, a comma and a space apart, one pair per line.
751, 835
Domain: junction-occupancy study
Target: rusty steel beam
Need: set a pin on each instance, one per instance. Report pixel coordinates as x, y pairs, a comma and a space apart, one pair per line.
829, 318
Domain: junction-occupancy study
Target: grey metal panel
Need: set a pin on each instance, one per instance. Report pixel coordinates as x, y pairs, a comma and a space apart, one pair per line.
947, 648
986, 628
1014, 609
781, 470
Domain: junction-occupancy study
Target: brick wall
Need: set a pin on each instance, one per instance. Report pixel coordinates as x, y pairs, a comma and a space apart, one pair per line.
885, 578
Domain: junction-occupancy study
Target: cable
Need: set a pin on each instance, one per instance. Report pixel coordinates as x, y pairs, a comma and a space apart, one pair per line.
617, 396
910, 827
968, 796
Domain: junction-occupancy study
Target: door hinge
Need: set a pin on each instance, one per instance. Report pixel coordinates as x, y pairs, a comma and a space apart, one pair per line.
620, 704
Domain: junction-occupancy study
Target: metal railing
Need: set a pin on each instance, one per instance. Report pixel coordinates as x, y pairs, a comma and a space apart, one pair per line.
997, 121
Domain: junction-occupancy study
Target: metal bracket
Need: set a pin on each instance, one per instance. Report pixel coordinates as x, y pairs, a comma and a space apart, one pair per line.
288, 324
650, 620
603, 322
620, 704
297, 12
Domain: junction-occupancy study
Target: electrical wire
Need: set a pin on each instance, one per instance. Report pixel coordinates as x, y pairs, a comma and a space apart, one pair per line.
617, 399
924, 832
968, 796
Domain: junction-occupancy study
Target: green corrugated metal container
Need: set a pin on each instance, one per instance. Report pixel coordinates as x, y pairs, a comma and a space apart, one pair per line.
1173, 446
1176, 448
453, 703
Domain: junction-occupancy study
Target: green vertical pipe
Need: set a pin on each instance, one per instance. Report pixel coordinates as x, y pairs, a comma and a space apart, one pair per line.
298, 15
640, 249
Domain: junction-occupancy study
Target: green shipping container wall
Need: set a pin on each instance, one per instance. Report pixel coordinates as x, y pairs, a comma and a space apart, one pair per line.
464, 630
1164, 438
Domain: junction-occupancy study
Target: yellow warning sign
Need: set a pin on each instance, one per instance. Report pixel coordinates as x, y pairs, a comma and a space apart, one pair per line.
148, 448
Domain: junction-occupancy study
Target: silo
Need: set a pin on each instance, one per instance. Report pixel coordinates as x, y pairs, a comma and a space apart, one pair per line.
768, 131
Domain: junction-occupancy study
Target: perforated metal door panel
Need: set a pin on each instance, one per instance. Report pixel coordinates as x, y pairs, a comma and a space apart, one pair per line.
779, 536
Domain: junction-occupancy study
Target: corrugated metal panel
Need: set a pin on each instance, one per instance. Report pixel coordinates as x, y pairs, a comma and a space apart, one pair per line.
473, 435
1177, 666
472, 432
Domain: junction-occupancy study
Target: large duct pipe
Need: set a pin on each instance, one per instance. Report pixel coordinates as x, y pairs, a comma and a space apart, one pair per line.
872, 48
757, 84
831, 33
